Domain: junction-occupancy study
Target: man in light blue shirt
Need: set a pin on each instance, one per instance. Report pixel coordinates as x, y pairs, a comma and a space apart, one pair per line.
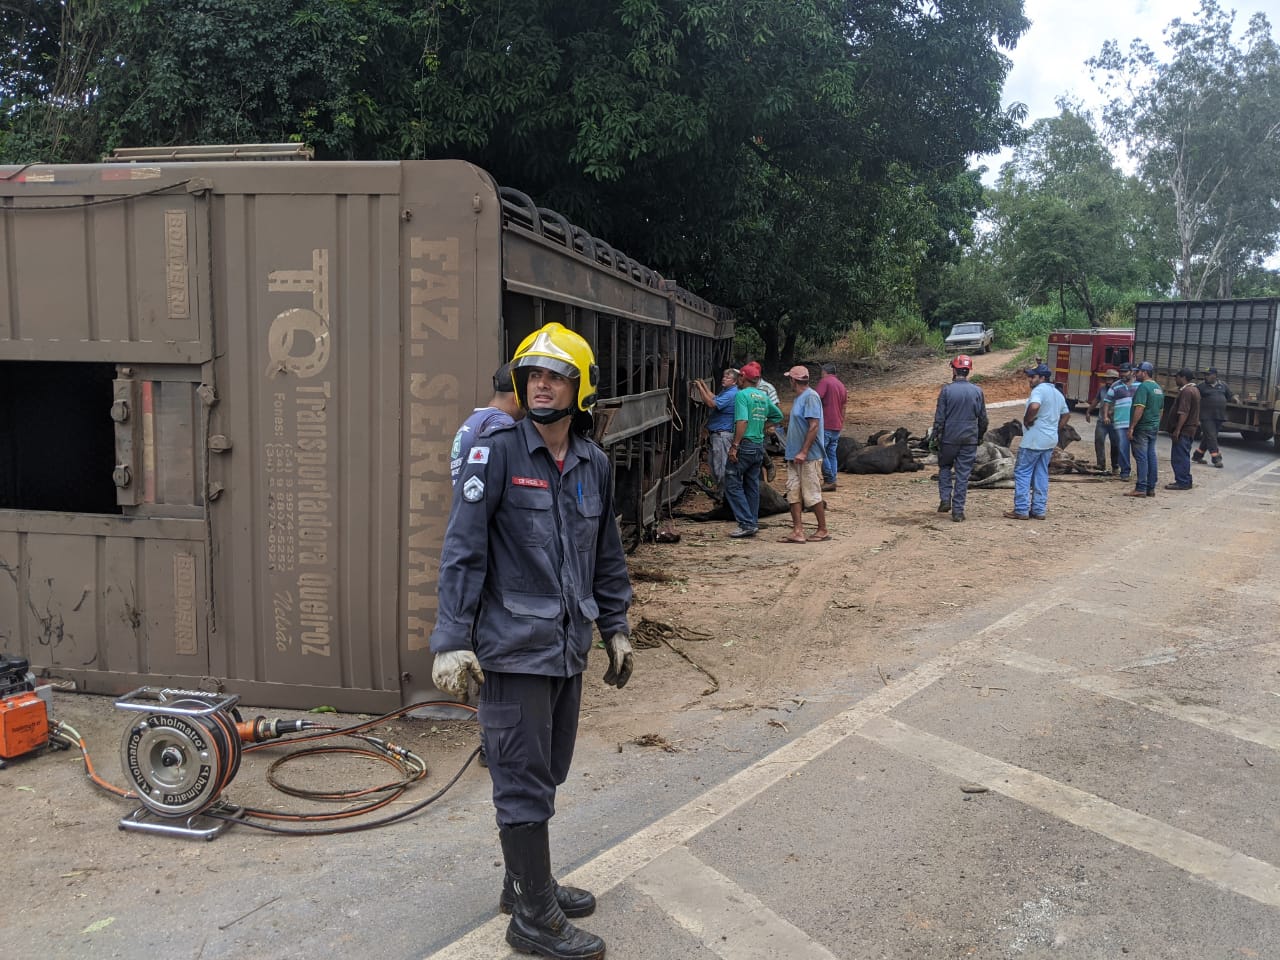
1045, 415
804, 459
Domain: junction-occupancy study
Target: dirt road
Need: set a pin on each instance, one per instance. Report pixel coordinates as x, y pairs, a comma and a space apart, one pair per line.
760, 616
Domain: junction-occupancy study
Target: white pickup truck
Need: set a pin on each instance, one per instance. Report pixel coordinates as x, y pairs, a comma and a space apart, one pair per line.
970, 338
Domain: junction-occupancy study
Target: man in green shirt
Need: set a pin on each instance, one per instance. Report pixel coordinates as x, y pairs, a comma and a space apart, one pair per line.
1144, 424
751, 411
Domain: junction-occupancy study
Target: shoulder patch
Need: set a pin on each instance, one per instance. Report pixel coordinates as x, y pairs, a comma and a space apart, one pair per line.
473, 490
478, 455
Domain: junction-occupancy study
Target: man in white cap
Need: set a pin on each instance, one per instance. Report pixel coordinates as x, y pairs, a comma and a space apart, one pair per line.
804, 459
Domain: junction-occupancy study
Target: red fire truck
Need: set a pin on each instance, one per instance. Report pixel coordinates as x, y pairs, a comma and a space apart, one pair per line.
1077, 357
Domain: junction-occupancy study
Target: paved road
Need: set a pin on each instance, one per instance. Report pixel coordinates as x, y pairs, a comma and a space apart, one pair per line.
1087, 767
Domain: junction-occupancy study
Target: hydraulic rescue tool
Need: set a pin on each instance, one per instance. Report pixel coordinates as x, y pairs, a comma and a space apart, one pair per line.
179, 755
183, 747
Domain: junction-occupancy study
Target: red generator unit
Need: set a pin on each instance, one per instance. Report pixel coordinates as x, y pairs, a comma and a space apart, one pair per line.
24, 716
1077, 357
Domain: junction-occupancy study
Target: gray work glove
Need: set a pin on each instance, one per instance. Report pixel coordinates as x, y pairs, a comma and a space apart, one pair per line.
619, 650
450, 670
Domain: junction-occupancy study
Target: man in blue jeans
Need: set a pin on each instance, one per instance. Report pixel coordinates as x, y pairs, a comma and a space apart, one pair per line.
1045, 415
752, 410
1144, 424
832, 393
1186, 423
1118, 406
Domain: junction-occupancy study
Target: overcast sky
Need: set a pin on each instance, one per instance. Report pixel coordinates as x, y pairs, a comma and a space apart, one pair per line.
1050, 58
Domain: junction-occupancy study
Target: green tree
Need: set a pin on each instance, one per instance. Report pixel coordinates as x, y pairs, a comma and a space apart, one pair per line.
1204, 127
1065, 215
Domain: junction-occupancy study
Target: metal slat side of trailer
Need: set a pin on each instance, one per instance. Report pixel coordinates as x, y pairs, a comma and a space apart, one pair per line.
649, 335
228, 392
1241, 338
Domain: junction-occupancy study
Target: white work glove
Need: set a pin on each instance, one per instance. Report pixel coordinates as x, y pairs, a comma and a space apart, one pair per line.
450, 670
619, 649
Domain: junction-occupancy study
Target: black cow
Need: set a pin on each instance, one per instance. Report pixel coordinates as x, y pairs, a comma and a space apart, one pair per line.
886, 438
846, 449
895, 458
771, 502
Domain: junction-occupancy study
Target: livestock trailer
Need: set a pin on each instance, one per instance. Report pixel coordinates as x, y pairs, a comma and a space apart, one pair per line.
228, 392
1078, 357
1240, 338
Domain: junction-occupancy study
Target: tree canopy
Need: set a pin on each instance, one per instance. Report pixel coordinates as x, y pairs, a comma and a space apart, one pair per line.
1204, 127
796, 160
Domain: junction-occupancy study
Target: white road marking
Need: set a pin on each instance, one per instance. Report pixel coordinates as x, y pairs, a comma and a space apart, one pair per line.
616, 864
1028, 662
1211, 718
1222, 866
642, 848
725, 918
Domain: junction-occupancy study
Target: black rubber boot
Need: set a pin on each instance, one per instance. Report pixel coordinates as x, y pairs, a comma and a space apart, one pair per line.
944, 506
574, 902
538, 923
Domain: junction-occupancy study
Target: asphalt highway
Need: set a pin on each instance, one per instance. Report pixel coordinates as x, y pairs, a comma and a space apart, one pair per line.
1086, 767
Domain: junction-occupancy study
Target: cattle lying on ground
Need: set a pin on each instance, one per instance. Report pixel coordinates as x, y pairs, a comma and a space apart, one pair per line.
1004, 434
771, 502
846, 449
992, 466
1062, 462
1067, 435
885, 438
882, 459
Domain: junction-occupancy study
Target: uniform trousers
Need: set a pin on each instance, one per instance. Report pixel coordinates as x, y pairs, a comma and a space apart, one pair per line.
529, 725
955, 465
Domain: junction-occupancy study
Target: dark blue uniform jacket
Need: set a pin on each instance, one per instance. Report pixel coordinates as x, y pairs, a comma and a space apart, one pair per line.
961, 415
532, 556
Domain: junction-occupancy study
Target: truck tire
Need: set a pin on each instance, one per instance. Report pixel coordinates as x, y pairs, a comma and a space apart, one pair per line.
1254, 436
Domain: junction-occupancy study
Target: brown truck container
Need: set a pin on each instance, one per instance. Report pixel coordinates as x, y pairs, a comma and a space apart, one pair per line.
228, 392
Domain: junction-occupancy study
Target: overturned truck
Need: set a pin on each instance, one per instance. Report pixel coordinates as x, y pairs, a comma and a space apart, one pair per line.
228, 392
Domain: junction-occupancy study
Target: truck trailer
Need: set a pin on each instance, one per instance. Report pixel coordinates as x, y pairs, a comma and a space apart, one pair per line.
1239, 338
228, 393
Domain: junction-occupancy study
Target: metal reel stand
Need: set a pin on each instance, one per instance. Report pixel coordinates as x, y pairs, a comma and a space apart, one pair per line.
179, 755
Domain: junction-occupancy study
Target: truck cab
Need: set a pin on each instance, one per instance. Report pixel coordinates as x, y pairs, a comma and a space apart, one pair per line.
1079, 357
970, 338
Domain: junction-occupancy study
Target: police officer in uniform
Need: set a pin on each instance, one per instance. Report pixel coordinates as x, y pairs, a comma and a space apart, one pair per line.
959, 423
532, 557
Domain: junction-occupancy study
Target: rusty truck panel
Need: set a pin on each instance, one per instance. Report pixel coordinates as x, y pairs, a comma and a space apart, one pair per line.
228, 392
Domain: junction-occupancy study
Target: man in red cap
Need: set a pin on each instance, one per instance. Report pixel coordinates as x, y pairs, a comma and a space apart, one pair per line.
751, 411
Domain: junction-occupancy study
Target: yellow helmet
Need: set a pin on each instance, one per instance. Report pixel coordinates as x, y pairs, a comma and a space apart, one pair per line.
557, 348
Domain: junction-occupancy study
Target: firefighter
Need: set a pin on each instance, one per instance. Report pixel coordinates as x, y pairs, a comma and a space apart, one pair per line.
959, 423
532, 556
1214, 397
